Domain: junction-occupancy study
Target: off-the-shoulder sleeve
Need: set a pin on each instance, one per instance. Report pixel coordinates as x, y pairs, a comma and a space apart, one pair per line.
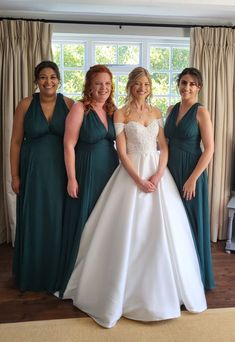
160, 122
119, 127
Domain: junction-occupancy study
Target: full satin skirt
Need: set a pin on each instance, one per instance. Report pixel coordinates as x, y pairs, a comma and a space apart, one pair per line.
137, 257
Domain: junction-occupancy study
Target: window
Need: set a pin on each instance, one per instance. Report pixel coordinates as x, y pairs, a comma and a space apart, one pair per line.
165, 64
164, 58
70, 57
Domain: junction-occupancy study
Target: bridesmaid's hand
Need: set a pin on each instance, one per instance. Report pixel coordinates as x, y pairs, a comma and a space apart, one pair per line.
73, 188
189, 189
15, 184
146, 186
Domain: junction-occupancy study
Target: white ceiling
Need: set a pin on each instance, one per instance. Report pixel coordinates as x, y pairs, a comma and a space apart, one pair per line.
202, 12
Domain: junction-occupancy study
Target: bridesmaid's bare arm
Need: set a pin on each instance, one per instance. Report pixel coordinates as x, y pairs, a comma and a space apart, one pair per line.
205, 125
72, 128
16, 141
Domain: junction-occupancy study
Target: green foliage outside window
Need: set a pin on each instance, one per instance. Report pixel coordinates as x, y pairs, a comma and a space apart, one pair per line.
159, 58
56, 50
105, 54
160, 83
128, 54
117, 54
74, 55
164, 64
180, 59
73, 81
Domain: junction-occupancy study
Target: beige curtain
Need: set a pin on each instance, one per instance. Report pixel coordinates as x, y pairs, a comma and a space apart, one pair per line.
213, 52
23, 45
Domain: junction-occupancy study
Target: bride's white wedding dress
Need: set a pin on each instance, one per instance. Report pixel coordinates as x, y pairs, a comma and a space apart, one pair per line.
137, 257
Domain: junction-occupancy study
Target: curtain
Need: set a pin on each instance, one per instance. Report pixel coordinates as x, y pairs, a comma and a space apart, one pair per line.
23, 44
212, 51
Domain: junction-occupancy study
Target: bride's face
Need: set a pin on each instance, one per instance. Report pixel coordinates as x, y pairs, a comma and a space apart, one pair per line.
141, 88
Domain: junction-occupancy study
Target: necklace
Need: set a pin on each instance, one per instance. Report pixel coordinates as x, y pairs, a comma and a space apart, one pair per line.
141, 111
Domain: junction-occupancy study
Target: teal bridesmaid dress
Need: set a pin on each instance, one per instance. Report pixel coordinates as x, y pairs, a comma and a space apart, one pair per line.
40, 204
184, 153
95, 161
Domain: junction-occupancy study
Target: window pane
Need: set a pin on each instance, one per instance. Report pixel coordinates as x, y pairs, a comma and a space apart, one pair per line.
164, 62
162, 103
180, 58
174, 87
74, 55
56, 51
75, 97
105, 54
122, 81
159, 58
121, 101
160, 83
174, 100
73, 81
128, 54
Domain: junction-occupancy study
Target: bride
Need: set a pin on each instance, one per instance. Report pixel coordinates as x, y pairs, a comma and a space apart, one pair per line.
137, 257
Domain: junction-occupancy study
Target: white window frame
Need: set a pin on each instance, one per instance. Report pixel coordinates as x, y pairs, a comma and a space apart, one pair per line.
145, 43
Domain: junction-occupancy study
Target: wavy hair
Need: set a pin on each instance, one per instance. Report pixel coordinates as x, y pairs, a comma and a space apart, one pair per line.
86, 99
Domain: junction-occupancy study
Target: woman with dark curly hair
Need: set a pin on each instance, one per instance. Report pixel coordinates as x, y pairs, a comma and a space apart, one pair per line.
90, 158
39, 180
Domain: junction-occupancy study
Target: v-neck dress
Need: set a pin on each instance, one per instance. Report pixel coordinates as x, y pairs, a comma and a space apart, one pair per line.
40, 204
184, 153
95, 161
137, 258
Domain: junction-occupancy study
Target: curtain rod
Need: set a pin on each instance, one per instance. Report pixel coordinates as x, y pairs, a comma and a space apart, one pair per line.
120, 24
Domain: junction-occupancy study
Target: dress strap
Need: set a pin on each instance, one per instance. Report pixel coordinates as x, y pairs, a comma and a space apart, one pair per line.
160, 122
119, 127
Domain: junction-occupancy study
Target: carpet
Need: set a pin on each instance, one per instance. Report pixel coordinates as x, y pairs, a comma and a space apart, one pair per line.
213, 325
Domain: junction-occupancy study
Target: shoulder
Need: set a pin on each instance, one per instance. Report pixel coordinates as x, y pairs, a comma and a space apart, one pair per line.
156, 113
76, 113
24, 104
169, 110
119, 115
69, 102
78, 107
203, 117
202, 112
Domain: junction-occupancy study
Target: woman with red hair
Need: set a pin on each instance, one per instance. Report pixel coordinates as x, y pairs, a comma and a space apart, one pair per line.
90, 159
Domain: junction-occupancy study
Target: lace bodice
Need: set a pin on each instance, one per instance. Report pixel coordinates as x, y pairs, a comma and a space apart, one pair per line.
140, 138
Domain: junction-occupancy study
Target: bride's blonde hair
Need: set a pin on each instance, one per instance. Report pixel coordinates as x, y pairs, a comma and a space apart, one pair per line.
133, 76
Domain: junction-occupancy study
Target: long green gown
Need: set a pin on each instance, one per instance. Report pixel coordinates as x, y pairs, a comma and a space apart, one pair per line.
40, 204
95, 160
184, 153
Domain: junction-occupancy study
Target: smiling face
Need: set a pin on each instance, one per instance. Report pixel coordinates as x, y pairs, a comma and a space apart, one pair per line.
48, 81
141, 88
101, 87
188, 87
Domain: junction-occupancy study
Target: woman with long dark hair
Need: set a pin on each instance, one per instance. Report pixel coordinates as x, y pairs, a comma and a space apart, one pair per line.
187, 126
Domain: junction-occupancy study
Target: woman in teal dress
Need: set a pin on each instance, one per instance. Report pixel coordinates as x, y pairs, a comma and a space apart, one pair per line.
90, 159
187, 125
39, 180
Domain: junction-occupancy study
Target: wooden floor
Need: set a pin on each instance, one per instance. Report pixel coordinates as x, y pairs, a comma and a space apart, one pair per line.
17, 307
